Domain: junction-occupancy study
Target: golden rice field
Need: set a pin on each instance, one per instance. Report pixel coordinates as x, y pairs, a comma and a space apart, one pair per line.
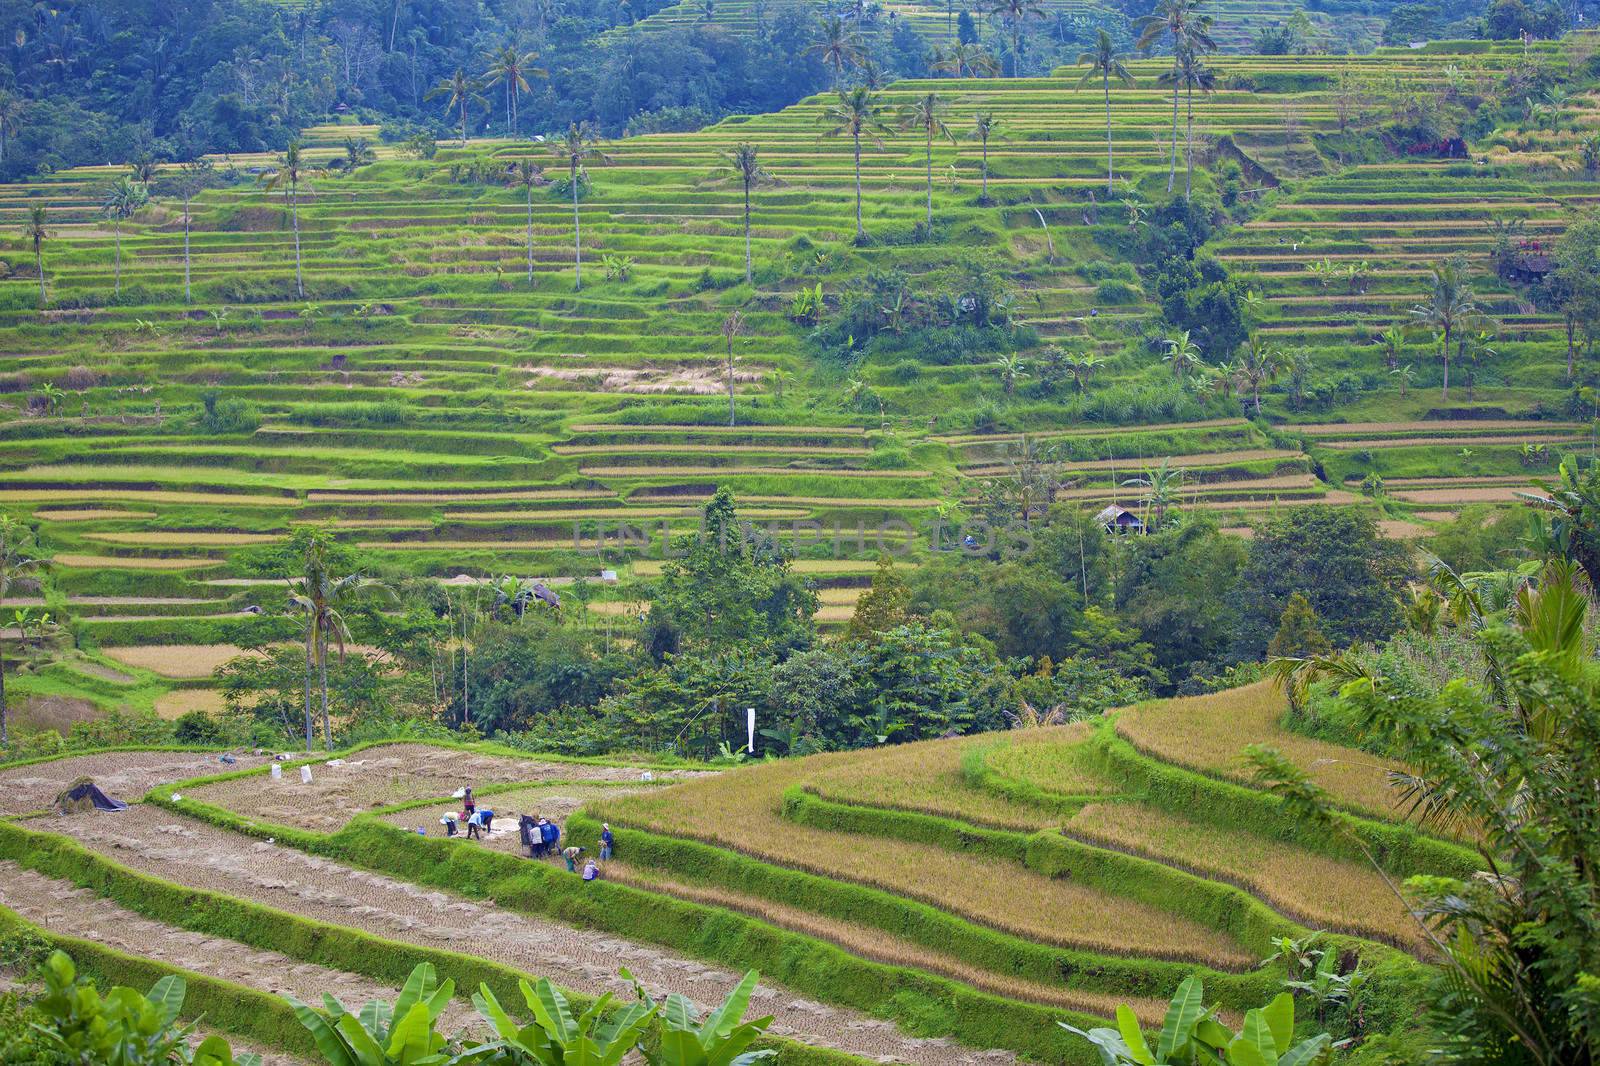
176, 660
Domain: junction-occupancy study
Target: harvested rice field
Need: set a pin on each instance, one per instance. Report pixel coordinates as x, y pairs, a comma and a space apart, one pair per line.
177, 660
125, 775
555, 802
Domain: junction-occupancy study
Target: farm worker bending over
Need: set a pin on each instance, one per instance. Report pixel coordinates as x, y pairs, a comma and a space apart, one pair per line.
550, 833
606, 841
571, 855
590, 870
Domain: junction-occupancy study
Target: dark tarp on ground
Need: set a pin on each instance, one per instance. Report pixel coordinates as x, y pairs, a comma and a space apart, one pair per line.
85, 795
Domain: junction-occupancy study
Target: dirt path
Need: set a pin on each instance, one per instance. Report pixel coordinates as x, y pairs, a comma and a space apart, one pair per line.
193, 853
63, 908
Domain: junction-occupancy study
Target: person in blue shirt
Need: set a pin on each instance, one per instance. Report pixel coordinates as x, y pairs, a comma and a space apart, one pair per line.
607, 841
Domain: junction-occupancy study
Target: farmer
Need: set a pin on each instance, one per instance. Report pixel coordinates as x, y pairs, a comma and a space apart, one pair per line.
474, 825
607, 841
590, 870
571, 855
449, 823
467, 802
551, 833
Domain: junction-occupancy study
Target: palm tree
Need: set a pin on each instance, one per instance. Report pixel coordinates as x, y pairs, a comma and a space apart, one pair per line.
11, 114
1084, 368
17, 548
961, 60
927, 113
1393, 339
512, 68
320, 599
526, 176
1449, 305
1258, 364
1191, 73
143, 170
289, 176
192, 177
1011, 369
1185, 27
121, 199
36, 232
578, 145
458, 91
1015, 12
1106, 63
857, 113
357, 153
838, 46
1183, 356
1162, 487
1405, 374
744, 161
985, 127
732, 326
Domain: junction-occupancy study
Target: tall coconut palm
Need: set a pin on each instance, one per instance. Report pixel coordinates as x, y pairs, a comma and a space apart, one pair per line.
1186, 27
985, 127
18, 557
1014, 13
322, 599
928, 113
745, 163
192, 177
1259, 364
289, 176
962, 60
35, 230
525, 177
120, 201
459, 92
512, 69
579, 145
1189, 73
1448, 306
732, 326
856, 114
838, 46
12, 111
1106, 63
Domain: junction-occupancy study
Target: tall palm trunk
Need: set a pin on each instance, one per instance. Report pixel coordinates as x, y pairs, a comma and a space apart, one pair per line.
749, 274
1172, 169
294, 217
984, 195
463, 122
322, 671
577, 233
1111, 170
310, 665
1444, 353
188, 295
856, 136
5, 735
1188, 143
1016, 48
929, 160
730, 379
530, 234
116, 289
38, 264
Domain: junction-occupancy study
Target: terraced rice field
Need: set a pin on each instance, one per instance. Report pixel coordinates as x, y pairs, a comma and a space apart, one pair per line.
126, 775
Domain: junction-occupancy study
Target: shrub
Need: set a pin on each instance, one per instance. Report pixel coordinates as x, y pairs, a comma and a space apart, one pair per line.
1117, 293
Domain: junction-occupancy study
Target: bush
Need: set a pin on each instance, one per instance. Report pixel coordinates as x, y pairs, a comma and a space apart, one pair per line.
1117, 293
228, 414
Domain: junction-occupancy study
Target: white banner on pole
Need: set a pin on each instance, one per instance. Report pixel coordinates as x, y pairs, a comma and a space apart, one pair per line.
750, 726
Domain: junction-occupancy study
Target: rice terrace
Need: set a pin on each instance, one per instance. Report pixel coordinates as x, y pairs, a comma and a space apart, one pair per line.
572, 532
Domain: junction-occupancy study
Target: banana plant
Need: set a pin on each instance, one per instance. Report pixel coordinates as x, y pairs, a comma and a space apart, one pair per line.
722, 1039
1191, 1035
556, 1037
402, 1034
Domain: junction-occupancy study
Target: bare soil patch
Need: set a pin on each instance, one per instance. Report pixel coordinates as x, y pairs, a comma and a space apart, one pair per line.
127, 775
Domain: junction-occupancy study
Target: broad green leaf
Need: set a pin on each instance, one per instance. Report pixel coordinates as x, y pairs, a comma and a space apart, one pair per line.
680, 1047
417, 987
440, 999
1213, 1034
1253, 1046
412, 1037
733, 1046
365, 1050
1183, 1014
167, 995
1307, 1051
489, 1010
1113, 1052
722, 1019
1128, 1026
329, 1043
550, 1007
678, 1013
1279, 1016
375, 1019
334, 1008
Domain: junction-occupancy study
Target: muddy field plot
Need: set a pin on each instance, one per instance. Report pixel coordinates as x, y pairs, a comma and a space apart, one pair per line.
387, 775
125, 775
555, 802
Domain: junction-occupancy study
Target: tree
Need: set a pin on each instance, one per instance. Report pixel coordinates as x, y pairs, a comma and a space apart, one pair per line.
289, 176
12, 112
1106, 63
838, 47
985, 127
1186, 29
856, 114
1183, 356
962, 60
598, 1036
1258, 365
1190, 73
1577, 256
357, 153
722, 1037
527, 176
35, 229
18, 558
120, 201
322, 599
381, 1034
745, 163
1163, 488
732, 326
882, 607
1298, 633
1014, 13
1571, 507
1011, 368
458, 91
577, 147
928, 113
193, 176
512, 68
1449, 305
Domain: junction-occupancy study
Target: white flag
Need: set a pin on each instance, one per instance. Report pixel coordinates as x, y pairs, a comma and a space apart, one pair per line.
750, 725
